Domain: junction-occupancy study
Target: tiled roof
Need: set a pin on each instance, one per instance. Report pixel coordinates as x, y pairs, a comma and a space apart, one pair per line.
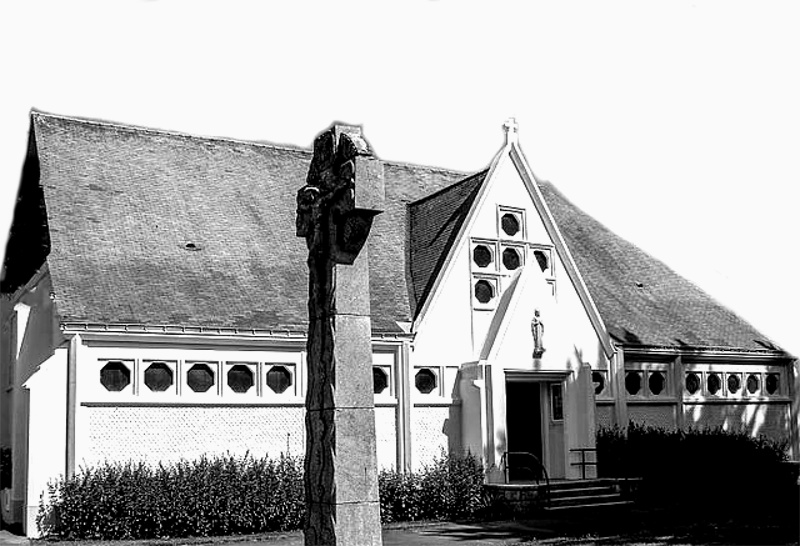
434, 223
642, 301
125, 205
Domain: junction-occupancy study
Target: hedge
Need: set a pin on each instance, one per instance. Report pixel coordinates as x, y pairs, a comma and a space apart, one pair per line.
217, 496
708, 469
207, 497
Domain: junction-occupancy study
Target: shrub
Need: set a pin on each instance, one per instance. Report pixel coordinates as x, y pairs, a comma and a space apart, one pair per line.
216, 496
210, 496
450, 488
699, 468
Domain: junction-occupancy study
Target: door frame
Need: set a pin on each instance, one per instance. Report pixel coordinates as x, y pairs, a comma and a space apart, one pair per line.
544, 379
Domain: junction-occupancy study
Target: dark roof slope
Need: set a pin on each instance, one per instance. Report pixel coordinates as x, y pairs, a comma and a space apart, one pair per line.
152, 227
434, 223
159, 228
641, 300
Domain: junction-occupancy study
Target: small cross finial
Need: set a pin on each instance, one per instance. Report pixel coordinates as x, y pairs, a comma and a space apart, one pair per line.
511, 130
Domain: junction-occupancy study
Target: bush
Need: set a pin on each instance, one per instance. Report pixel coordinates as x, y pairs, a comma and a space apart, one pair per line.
210, 496
710, 468
451, 488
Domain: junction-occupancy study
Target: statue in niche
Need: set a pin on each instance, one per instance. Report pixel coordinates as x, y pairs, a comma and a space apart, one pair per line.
537, 330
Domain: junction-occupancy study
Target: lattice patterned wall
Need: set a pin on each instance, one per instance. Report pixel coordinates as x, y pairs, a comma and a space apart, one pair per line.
769, 419
386, 436
604, 415
429, 427
170, 433
662, 416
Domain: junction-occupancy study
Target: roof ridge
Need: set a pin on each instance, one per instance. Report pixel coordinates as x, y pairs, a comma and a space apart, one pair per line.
426, 167
196, 137
452, 186
167, 132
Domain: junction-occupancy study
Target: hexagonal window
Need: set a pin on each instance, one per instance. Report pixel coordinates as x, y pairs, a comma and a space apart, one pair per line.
158, 377
713, 383
773, 383
200, 378
510, 224
633, 382
734, 383
753, 383
380, 380
599, 381
484, 291
115, 376
482, 255
511, 259
279, 379
542, 260
425, 381
656, 381
692, 383
240, 378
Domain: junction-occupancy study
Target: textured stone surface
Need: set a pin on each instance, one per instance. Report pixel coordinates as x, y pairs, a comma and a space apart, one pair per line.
344, 191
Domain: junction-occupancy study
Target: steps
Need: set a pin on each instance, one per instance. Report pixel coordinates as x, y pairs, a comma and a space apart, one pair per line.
589, 494
564, 496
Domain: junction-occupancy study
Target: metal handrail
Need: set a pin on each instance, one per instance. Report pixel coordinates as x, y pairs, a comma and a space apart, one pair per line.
504, 464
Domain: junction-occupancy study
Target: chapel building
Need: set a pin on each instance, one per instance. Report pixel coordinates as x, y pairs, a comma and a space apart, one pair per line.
154, 308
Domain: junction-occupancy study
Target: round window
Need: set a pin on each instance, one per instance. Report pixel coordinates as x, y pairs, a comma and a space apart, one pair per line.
713, 383
484, 291
240, 378
541, 259
200, 378
425, 381
692, 383
115, 376
734, 383
656, 382
773, 383
599, 381
752, 383
380, 380
279, 379
158, 377
633, 382
510, 224
511, 259
482, 255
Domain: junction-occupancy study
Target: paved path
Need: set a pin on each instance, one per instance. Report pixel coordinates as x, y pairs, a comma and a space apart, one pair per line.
440, 534
7, 539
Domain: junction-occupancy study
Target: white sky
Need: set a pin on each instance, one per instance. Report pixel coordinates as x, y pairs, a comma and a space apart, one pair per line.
675, 123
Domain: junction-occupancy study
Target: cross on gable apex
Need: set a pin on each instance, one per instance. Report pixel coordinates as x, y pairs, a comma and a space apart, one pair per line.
511, 130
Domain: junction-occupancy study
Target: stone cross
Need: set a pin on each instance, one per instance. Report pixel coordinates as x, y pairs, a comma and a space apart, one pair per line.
511, 129
344, 191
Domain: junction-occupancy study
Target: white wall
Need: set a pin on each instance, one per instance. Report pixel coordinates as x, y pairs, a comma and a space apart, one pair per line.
453, 331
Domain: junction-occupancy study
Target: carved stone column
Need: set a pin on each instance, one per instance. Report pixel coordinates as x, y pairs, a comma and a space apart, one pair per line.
343, 192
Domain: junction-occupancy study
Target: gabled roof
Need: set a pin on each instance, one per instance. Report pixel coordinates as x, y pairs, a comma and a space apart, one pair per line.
642, 301
434, 224
160, 228
153, 227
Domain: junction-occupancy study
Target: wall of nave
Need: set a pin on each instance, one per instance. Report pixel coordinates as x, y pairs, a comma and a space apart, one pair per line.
735, 392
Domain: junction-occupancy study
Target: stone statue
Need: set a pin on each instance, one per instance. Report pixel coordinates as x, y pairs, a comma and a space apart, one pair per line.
343, 192
537, 330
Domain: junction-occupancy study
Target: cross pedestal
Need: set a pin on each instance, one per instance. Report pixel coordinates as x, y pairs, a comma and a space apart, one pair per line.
343, 192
